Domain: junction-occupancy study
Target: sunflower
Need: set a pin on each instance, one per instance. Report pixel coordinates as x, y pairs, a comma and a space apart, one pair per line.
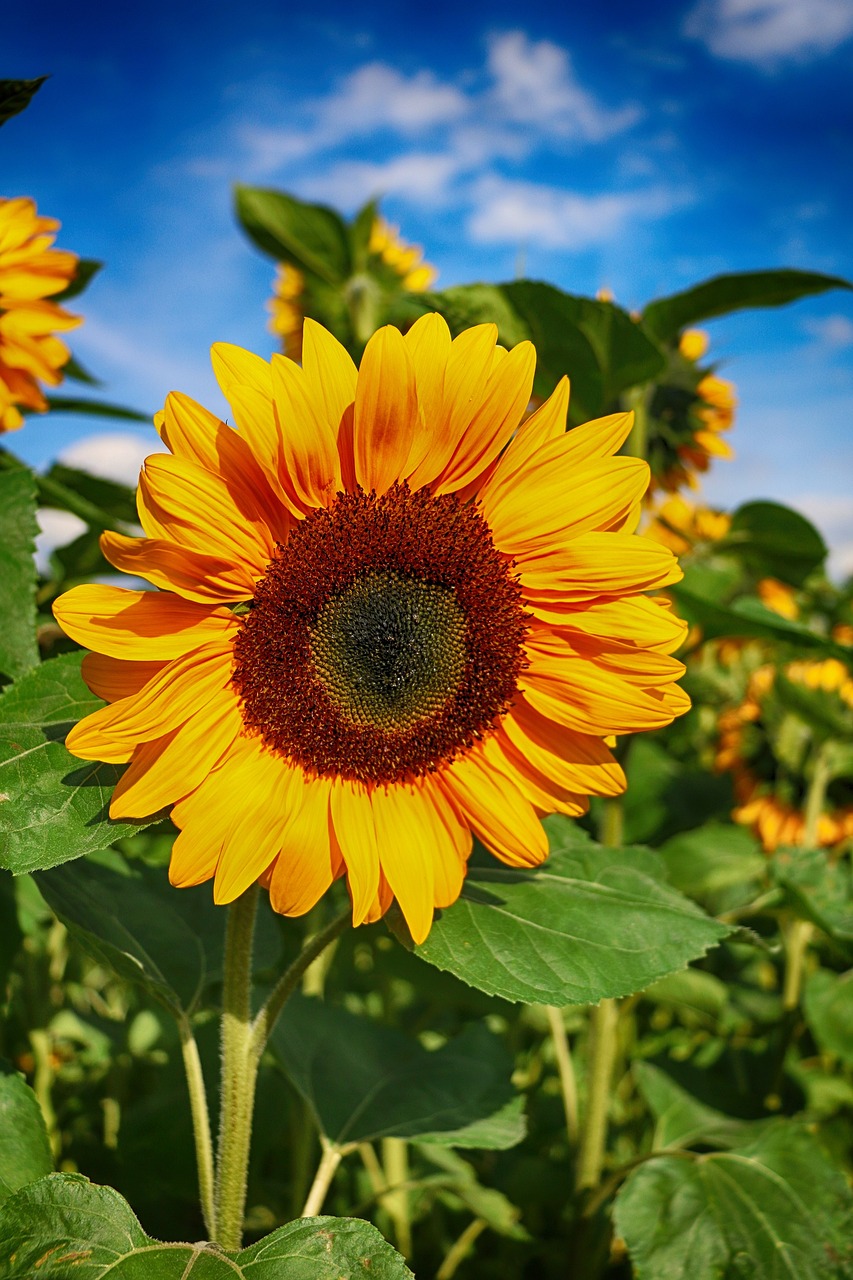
768, 744
30, 271
690, 410
680, 524
400, 264
388, 617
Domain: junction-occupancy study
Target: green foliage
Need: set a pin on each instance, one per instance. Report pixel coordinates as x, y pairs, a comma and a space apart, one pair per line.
87, 269
828, 1006
16, 95
364, 1081
719, 296
55, 806
310, 236
774, 541
592, 923
95, 408
18, 528
24, 1146
65, 1228
775, 1208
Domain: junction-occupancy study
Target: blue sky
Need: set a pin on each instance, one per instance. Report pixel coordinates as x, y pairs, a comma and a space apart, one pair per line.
638, 147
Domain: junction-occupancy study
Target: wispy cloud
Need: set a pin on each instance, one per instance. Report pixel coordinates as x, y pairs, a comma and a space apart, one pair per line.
767, 32
834, 331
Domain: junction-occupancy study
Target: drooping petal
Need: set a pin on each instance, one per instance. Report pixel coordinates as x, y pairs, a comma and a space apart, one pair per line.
496, 809
207, 580
307, 864
400, 814
352, 816
146, 625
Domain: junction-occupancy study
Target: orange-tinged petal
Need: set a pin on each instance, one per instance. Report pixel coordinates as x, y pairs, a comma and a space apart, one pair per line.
548, 423
636, 620
496, 809
556, 504
180, 501
113, 678
352, 816
330, 374
308, 439
306, 865
145, 625
386, 411
233, 365
506, 396
208, 580
546, 795
597, 564
400, 815
171, 767
178, 691
261, 787
577, 761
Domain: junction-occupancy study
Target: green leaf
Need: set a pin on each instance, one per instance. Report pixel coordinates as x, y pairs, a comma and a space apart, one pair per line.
591, 923
818, 890
18, 529
24, 1147
459, 1184
465, 305
366, 1081
10, 931
828, 1006
774, 541
55, 807
821, 709
746, 617
65, 1228
64, 487
16, 95
562, 346
311, 236
95, 408
87, 269
74, 370
666, 317
714, 857
776, 1209
684, 1121
164, 939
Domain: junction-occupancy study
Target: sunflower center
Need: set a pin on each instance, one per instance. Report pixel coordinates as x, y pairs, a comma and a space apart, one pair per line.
390, 650
385, 637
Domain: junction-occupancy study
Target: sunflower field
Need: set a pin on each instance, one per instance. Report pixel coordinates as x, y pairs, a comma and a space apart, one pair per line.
426, 827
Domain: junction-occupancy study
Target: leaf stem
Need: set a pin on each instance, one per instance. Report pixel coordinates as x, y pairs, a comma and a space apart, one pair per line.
395, 1160
326, 1170
459, 1250
269, 1012
798, 934
239, 1073
637, 444
565, 1066
201, 1124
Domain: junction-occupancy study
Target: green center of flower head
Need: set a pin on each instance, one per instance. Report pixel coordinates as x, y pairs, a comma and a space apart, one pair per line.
390, 650
385, 638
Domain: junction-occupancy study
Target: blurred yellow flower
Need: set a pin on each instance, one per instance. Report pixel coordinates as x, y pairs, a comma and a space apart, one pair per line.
680, 524
688, 421
768, 748
30, 271
779, 597
407, 260
429, 641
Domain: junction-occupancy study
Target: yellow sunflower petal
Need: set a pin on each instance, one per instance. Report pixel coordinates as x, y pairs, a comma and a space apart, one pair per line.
144, 625
207, 580
112, 678
597, 564
401, 815
330, 374
496, 810
577, 761
352, 816
262, 788
306, 865
309, 442
636, 620
386, 411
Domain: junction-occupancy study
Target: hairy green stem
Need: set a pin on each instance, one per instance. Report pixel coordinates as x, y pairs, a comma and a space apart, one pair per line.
395, 1159
239, 1073
459, 1250
798, 933
637, 444
602, 1056
201, 1124
326, 1170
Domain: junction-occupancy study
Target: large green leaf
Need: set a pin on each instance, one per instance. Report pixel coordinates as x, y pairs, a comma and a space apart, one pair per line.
87, 269
366, 1081
15, 96
591, 923
828, 1006
684, 1121
776, 1209
745, 617
818, 890
714, 857
18, 529
55, 806
65, 1228
311, 236
167, 940
465, 305
24, 1146
774, 541
665, 317
102, 503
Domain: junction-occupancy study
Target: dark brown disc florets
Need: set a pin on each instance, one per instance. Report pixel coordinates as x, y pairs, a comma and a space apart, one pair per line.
385, 637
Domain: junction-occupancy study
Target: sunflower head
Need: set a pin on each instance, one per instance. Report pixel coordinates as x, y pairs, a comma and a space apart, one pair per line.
392, 612
31, 270
770, 742
690, 410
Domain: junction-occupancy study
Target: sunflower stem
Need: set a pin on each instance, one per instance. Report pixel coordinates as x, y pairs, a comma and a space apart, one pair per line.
799, 932
268, 1014
239, 1073
637, 444
201, 1124
395, 1160
326, 1170
603, 1021
565, 1066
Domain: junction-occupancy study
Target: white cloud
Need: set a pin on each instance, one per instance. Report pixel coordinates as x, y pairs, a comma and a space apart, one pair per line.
56, 529
831, 331
416, 176
535, 84
765, 32
112, 455
510, 212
